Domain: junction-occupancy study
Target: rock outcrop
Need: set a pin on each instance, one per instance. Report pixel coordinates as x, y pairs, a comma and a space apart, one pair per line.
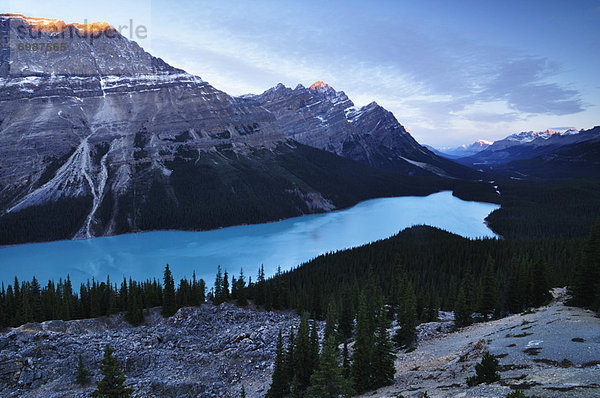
202, 351
550, 351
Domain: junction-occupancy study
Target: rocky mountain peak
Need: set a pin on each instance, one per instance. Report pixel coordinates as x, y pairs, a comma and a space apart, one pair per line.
320, 85
51, 47
321, 117
56, 26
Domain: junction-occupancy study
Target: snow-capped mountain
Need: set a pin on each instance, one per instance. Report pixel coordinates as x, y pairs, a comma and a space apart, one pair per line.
530, 136
464, 150
327, 119
526, 145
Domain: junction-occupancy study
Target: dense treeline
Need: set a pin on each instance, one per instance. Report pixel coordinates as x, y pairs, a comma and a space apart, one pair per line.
23, 302
489, 277
546, 209
442, 271
301, 371
496, 276
265, 186
406, 278
269, 186
585, 289
50, 221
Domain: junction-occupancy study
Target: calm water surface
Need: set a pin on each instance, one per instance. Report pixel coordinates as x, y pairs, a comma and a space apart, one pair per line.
285, 243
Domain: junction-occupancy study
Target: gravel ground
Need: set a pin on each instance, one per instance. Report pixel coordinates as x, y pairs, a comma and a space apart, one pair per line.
536, 350
207, 351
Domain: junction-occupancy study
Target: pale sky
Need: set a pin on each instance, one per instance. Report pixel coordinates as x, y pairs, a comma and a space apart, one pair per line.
451, 72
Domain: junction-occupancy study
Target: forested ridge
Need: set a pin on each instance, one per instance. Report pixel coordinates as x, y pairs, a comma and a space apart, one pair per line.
546, 209
437, 264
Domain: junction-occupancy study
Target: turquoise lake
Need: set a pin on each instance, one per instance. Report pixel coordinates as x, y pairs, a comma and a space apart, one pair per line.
284, 243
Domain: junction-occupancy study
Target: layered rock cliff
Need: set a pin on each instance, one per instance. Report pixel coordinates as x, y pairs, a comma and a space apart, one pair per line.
327, 119
98, 137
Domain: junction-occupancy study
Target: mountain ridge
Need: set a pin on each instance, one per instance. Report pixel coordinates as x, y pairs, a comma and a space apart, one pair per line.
527, 145
324, 118
462, 150
127, 143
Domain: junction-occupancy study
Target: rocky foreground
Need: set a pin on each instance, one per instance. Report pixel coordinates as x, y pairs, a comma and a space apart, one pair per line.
212, 351
553, 351
202, 351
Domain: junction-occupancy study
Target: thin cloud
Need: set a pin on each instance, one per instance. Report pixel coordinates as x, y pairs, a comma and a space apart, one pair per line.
429, 78
521, 83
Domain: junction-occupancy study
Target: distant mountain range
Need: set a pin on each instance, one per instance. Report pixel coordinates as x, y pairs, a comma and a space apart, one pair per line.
104, 138
548, 154
461, 151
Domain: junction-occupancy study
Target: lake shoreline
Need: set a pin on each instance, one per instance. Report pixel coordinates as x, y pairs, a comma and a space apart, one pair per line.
246, 224
286, 243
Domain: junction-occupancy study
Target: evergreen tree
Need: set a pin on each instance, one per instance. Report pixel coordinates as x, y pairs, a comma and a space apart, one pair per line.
487, 300
260, 286
346, 370
514, 300
296, 390
112, 383
382, 367
468, 284
486, 371
279, 382
35, 300
401, 298
225, 291
218, 292
346, 322
289, 355
135, 312
234, 288
3, 315
243, 392
241, 290
363, 350
169, 306
328, 381
201, 292
82, 376
303, 354
523, 288
198, 290
314, 344
330, 324
540, 290
585, 290
407, 334
433, 308
26, 314
462, 316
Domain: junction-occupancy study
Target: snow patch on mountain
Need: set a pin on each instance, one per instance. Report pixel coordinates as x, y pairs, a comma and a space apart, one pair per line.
528, 136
